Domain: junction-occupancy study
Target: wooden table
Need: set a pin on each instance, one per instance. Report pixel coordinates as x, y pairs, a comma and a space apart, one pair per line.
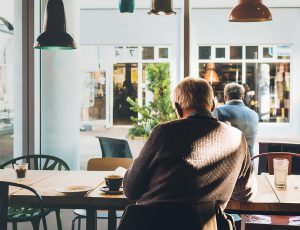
269, 199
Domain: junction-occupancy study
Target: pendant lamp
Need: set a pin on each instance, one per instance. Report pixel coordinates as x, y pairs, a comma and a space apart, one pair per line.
126, 6
8, 25
55, 36
211, 76
162, 6
250, 11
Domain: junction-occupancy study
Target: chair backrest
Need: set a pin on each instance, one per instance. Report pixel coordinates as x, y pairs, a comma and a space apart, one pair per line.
171, 216
108, 164
112, 147
267, 158
39, 162
4, 188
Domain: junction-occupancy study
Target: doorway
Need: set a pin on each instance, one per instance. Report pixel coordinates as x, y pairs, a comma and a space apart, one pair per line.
125, 84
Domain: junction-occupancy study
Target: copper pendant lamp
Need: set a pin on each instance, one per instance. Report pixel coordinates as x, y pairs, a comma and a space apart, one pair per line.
250, 11
211, 76
162, 6
126, 6
55, 36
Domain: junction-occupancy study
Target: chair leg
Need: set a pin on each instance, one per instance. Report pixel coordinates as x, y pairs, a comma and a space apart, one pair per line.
36, 224
14, 226
44, 223
79, 223
58, 219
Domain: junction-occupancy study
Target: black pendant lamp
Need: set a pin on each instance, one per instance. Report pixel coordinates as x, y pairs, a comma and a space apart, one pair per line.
162, 6
250, 11
126, 6
55, 36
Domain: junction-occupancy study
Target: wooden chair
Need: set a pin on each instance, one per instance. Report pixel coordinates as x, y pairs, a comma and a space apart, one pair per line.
274, 222
201, 216
35, 216
35, 162
102, 164
112, 147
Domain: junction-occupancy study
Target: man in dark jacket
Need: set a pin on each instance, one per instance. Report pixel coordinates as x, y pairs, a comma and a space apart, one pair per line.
193, 159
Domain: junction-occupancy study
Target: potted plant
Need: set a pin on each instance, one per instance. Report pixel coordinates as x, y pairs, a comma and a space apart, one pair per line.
157, 111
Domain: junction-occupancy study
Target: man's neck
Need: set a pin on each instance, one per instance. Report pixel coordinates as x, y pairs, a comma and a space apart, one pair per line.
189, 112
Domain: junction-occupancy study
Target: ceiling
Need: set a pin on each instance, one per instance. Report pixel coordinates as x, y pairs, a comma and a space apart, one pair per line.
110, 4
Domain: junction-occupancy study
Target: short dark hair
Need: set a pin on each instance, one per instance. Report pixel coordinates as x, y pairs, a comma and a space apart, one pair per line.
234, 91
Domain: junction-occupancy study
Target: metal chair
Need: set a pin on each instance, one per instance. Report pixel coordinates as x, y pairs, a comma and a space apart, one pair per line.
35, 216
102, 164
35, 162
112, 147
273, 222
170, 216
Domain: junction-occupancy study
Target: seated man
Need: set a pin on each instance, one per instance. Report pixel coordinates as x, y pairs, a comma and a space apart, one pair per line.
238, 114
193, 159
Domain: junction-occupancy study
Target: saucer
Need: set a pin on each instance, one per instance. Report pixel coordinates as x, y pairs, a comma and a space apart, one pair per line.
107, 191
75, 190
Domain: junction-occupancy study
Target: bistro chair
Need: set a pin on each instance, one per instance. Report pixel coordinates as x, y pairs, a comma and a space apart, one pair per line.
112, 147
102, 164
273, 222
35, 162
172, 216
34, 215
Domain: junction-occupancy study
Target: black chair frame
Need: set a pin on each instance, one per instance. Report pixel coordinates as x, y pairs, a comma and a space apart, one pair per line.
4, 203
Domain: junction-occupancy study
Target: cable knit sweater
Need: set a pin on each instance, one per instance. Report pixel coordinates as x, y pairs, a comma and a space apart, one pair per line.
192, 160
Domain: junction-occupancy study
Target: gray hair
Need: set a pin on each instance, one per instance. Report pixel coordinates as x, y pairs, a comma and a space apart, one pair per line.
193, 93
234, 91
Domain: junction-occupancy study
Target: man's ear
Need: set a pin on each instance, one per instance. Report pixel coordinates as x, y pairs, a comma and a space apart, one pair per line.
213, 106
179, 110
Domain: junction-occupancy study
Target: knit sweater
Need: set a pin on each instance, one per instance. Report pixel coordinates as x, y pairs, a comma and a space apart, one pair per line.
192, 160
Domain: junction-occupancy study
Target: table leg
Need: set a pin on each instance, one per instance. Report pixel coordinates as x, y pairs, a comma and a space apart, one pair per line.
112, 220
3, 206
91, 219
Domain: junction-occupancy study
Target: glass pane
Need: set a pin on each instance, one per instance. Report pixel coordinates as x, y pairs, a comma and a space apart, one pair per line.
284, 52
204, 52
236, 52
269, 91
268, 52
251, 52
163, 52
220, 53
148, 53
227, 72
125, 85
7, 76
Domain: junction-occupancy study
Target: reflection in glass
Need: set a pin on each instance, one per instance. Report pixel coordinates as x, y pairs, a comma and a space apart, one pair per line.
148, 53
227, 72
220, 53
204, 52
163, 52
7, 76
251, 52
236, 52
125, 82
268, 52
284, 52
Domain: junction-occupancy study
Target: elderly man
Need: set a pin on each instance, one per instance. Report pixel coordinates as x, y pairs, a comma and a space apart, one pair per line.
195, 158
238, 114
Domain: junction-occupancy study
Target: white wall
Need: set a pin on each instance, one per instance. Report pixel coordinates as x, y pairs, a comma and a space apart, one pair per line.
211, 26
109, 27
60, 96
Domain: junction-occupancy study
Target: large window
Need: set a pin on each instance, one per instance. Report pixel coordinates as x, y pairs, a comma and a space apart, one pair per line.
264, 71
6, 80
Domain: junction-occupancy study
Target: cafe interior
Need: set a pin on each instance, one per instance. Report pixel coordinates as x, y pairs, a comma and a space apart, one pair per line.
83, 83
